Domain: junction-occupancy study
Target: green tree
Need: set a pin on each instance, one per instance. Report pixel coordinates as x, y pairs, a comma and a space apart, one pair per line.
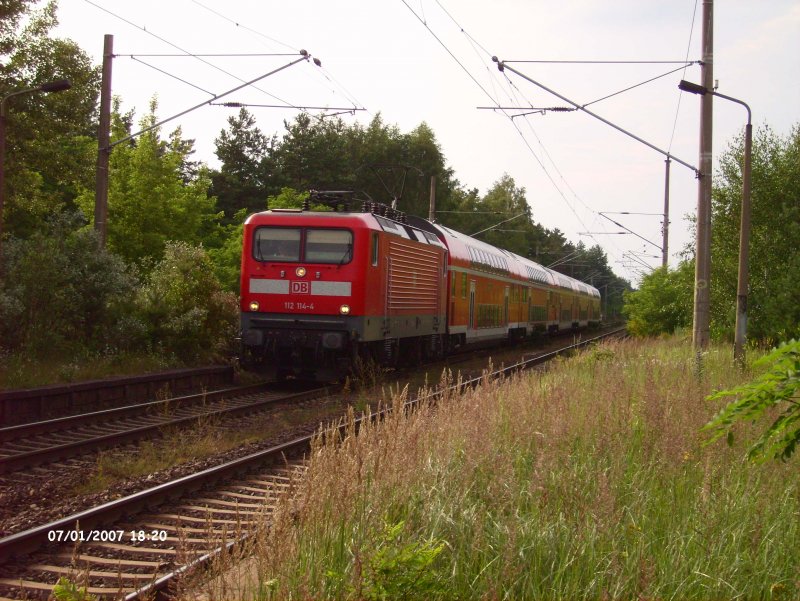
663, 302
59, 294
50, 147
245, 178
187, 312
312, 154
774, 295
149, 200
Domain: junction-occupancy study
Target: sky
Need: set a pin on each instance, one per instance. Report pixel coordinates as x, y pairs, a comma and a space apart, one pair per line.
429, 61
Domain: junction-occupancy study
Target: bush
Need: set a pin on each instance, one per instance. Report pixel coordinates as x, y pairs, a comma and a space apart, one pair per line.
59, 292
663, 302
185, 309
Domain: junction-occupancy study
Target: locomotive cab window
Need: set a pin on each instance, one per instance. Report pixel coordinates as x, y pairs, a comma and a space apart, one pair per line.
277, 244
282, 244
328, 246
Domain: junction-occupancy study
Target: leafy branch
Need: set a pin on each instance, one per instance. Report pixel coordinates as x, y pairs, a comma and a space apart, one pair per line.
779, 389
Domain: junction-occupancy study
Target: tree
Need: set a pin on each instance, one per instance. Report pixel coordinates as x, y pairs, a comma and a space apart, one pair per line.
60, 294
50, 147
663, 302
774, 296
149, 201
243, 181
313, 154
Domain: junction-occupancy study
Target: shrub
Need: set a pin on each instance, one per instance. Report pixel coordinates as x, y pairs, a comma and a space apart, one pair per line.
185, 309
59, 291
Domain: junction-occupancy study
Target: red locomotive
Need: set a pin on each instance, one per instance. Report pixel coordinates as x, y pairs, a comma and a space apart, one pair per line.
320, 289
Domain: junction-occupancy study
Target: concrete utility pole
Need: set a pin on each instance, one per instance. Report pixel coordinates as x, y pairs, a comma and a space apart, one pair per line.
702, 274
103, 148
665, 228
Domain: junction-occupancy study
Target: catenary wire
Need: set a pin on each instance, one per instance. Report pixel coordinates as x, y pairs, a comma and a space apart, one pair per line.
164, 40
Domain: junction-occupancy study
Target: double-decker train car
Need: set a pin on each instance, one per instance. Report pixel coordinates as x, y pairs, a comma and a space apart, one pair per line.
322, 289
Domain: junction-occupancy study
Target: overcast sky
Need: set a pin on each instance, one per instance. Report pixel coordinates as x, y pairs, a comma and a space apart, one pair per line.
383, 55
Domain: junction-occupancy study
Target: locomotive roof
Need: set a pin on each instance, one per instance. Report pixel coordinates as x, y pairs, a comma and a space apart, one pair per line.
370, 220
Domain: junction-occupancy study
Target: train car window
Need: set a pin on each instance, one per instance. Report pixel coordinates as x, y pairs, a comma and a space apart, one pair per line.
417, 235
329, 246
431, 238
463, 285
276, 244
375, 248
390, 226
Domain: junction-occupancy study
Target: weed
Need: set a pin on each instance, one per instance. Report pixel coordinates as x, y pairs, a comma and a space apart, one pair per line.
66, 590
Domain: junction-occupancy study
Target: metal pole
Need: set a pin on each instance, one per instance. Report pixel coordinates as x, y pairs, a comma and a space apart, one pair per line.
702, 275
432, 205
103, 150
740, 337
665, 228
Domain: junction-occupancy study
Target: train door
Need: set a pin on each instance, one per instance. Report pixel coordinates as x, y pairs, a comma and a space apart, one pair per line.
472, 304
505, 307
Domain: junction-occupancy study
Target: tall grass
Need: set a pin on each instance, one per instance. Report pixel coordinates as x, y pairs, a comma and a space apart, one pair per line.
589, 481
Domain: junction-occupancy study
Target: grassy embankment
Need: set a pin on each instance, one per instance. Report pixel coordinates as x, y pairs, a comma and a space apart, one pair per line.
589, 481
25, 371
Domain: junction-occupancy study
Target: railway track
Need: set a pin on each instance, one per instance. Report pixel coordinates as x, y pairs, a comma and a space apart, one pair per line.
165, 533
33, 444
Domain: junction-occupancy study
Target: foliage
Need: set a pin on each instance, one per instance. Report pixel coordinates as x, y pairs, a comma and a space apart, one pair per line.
289, 198
663, 302
150, 200
398, 569
59, 291
778, 389
227, 258
245, 175
774, 293
187, 312
50, 147
66, 590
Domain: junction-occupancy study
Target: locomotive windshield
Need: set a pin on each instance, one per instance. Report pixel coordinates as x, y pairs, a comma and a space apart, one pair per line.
310, 245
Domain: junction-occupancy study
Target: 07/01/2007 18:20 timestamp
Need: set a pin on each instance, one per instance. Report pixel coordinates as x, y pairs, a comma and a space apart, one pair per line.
134, 536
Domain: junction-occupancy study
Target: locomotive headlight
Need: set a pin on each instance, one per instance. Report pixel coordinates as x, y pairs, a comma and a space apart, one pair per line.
344, 309
254, 305
300, 271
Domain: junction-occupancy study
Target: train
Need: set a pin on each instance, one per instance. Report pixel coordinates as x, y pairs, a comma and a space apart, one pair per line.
322, 290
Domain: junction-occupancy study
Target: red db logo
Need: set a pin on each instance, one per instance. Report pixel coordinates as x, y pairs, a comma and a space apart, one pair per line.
301, 288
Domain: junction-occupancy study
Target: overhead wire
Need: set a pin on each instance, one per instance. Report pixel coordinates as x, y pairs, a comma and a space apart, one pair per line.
595, 214
190, 54
245, 27
324, 72
628, 89
512, 95
680, 96
168, 74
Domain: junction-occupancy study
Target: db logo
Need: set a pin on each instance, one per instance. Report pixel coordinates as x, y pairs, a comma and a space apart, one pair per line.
301, 288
